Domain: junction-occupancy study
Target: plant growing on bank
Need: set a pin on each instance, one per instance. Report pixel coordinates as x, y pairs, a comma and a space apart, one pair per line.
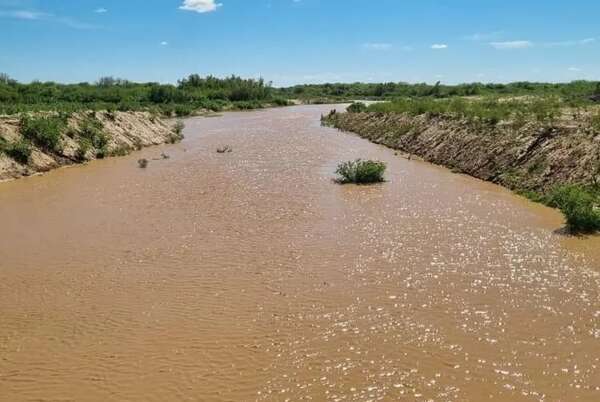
579, 206
91, 135
357, 107
20, 151
44, 132
361, 172
143, 163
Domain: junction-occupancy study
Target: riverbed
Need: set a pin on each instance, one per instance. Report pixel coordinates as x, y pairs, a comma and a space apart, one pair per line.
251, 275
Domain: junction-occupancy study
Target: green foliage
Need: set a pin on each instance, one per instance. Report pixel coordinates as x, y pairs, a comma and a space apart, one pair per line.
487, 110
579, 205
596, 121
178, 128
111, 93
44, 132
357, 107
92, 130
361, 171
576, 91
20, 151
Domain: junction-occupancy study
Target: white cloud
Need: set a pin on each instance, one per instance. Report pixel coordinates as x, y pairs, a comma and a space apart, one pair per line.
40, 16
200, 6
439, 46
164, 43
377, 46
574, 69
570, 43
101, 10
516, 44
24, 15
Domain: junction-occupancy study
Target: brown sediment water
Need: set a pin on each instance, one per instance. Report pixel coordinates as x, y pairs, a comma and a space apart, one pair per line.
250, 275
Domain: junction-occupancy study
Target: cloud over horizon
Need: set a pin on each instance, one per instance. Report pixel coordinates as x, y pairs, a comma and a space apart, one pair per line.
515, 44
200, 6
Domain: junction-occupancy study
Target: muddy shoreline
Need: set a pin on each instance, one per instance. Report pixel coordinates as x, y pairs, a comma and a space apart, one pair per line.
123, 133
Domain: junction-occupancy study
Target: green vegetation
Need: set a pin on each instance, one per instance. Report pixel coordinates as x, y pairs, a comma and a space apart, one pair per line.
361, 172
487, 110
90, 136
20, 151
580, 205
45, 132
576, 91
357, 107
189, 95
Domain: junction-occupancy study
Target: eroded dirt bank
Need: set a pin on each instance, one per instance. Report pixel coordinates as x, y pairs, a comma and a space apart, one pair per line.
531, 157
85, 136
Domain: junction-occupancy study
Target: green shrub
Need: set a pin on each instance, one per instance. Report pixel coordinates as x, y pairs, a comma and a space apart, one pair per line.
579, 206
82, 150
361, 171
44, 132
20, 151
357, 107
92, 130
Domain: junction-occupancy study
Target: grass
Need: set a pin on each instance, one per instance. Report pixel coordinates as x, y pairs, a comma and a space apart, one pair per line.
579, 205
357, 107
20, 151
44, 132
360, 172
91, 135
487, 110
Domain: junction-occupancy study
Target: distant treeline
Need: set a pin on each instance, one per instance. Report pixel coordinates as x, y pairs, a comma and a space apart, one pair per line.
191, 93
212, 93
572, 90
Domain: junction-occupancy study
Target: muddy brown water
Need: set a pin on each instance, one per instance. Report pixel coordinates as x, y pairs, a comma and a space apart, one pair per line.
250, 276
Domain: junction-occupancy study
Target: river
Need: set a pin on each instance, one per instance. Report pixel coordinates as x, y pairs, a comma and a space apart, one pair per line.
251, 275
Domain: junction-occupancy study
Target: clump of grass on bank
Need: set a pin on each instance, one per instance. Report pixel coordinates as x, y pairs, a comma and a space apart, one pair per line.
357, 107
20, 150
579, 205
91, 135
361, 172
44, 132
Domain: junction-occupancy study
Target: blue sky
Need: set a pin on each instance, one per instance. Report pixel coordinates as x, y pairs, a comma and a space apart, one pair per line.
301, 41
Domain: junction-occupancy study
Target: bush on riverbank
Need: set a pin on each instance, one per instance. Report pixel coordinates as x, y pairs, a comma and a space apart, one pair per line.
580, 206
45, 132
20, 151
360, 172
357, 107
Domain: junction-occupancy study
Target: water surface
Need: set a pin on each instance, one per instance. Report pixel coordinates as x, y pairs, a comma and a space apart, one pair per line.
252, 276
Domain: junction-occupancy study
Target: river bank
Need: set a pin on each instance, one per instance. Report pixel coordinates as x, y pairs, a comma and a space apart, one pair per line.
538, 156
39, 142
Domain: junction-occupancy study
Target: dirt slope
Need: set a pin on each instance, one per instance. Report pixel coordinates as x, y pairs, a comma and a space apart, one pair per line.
125, 132
533, 156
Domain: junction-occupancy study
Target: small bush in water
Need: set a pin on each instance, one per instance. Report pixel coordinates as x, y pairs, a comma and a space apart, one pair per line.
361, 171
224, 150
580, 207
143, 163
